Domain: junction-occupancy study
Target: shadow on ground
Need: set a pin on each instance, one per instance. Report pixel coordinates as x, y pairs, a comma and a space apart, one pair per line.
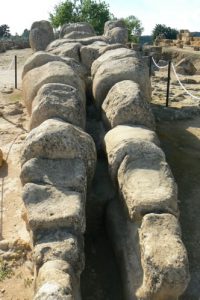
182, 149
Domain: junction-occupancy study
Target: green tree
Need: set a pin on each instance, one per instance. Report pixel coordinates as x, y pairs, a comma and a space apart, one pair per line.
168, 32
91, 11
4, 31
134, 27
26, 33
96, 14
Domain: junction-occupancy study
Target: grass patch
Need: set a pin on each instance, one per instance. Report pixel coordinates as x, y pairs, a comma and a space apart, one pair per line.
5, 270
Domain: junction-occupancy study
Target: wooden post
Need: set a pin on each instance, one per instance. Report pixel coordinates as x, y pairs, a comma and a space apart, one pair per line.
168, 83
15, 71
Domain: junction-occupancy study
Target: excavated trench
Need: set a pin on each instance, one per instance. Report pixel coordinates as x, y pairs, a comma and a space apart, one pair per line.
101, 276
180, 141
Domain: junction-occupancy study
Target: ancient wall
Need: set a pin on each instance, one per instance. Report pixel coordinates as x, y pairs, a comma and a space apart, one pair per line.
59, 158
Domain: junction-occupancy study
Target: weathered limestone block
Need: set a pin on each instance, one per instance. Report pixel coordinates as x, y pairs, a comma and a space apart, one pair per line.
52, 72
83, 41
124, 104
56, 139
41, 34
79, 27
57, 100
117, 35
90, 53
124, 237
111, 54
49, 207
55, 276
52, 291
124, 140
59, 245
111, 47
127, 133
71, 50
114, 23
74, 35
41, 58
1, 158
164, 258
60, 265
58, 273
146, 184
111, 72
65, 173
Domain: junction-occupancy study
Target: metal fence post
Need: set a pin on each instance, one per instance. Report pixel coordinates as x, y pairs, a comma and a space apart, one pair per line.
168, 83
15, 71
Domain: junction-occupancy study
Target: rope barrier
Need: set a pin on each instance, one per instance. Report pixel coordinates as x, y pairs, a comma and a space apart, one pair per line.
10, 66
191, 95
159, 67
177, 78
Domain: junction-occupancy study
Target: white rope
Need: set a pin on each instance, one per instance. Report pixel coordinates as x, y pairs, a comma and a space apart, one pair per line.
159, 67
195, 97
10, 66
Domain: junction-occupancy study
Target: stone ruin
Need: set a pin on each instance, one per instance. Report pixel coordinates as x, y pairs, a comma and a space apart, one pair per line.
59, 159
184, 38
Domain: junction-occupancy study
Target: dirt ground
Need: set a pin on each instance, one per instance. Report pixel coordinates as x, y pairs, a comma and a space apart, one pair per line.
180, 141
15, 263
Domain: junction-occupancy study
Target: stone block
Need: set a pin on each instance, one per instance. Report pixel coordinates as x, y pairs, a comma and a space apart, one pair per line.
164, 258
49, 207
56, 139
146, 185
66, 173
125, 104
57, 100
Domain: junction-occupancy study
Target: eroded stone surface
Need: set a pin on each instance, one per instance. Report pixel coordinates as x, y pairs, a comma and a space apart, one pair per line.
125, 104
117, 35
40, 58
71, 50
79, 27
111, 54
66, 173
49, 207
52, 72
135, 148
59, 245
125, 133
61, 101
55, 139
124, 237
52, 291
164, 258
146, 184
41, 34
113, 71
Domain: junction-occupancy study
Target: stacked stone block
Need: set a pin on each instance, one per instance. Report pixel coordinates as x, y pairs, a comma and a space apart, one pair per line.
144, 225
59, 157
58, 163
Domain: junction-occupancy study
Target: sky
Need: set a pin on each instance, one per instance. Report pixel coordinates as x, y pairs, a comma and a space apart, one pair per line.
179, 14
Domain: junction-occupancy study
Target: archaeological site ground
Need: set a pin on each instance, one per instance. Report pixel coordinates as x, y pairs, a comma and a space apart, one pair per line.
99, 178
